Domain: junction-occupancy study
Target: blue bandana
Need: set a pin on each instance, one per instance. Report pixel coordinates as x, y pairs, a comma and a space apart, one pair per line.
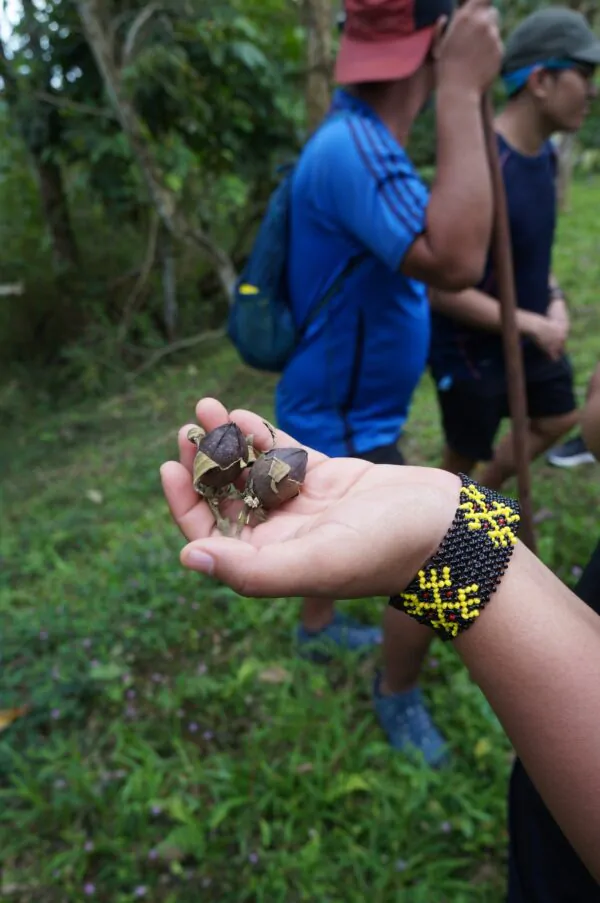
514, 81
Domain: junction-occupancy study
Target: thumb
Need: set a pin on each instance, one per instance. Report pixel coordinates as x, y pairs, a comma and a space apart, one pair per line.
312, 565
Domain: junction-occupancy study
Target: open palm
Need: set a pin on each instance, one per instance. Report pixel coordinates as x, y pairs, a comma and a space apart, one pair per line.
355, 529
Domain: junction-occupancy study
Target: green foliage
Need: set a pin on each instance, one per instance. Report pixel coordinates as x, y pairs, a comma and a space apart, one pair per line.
216, 87
176, 749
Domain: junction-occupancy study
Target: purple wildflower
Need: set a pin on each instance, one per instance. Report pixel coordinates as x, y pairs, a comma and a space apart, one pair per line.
446, 827
89, 889
193, 727
55, 714
140, 891
208, 735
88, 846
253, 858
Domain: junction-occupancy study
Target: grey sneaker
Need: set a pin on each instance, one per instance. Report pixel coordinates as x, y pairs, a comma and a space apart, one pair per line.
570, 454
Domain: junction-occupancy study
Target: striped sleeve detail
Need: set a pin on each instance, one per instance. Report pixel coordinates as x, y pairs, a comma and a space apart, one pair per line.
396, 192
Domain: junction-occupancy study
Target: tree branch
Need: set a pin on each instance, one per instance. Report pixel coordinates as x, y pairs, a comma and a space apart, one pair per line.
181, 345
75, 106
142, 18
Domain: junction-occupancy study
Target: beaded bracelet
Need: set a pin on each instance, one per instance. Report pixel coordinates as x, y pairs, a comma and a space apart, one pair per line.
452, 588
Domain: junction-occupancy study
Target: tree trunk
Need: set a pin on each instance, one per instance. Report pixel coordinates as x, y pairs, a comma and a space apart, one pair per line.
50, 181
319, 24
566, 164
56, 212
169, 283
92, 14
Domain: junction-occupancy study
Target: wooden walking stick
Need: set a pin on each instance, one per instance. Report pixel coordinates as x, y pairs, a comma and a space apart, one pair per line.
513, 358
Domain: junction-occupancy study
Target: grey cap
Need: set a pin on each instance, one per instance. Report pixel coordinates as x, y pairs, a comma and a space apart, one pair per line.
551, 33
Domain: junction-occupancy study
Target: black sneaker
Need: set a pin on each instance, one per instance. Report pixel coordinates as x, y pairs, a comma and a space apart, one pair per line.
571, 454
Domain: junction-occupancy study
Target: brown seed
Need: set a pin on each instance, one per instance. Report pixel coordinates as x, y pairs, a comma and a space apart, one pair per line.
222, 455
277, 476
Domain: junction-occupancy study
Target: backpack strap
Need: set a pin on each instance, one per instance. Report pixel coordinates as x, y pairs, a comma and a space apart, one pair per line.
332, 291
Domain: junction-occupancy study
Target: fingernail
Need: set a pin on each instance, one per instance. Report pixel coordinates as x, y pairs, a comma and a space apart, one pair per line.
199, 561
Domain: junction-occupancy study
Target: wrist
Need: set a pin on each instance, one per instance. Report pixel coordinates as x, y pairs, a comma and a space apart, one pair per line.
453, 92
455, 583
433, 501
528, 323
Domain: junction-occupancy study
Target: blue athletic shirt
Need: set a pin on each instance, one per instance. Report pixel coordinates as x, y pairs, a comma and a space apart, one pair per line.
460, 352
348, 387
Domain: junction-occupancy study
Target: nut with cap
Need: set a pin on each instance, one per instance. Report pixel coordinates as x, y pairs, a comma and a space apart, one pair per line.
276, 477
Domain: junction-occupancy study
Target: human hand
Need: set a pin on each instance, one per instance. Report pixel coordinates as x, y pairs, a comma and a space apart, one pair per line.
549, 335
470, 53
356, 528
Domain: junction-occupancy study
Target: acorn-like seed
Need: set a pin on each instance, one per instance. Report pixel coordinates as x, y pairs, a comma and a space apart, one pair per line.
221, 457
277, 476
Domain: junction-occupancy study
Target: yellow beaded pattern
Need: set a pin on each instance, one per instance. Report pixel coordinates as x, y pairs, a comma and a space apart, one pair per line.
440, 602
494, 518
454, 586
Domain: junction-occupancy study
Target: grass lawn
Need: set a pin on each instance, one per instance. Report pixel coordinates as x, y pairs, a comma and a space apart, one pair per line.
175, 749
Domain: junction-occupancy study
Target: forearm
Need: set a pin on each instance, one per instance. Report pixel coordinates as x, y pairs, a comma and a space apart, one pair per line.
557, 309
535, 653
461, 207
452, 251
481, 311
590, 416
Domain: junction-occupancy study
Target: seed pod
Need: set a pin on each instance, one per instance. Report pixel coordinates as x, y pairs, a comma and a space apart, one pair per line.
277, 476
221, 457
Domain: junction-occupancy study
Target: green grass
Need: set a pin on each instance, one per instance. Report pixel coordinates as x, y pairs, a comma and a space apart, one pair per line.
175, 748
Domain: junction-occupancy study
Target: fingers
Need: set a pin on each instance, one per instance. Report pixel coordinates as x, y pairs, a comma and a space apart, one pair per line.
309, 565
187, 449
193, 517
211, 413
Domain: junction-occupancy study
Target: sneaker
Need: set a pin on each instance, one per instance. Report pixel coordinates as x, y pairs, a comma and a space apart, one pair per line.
409, 727
570, 454
343, 633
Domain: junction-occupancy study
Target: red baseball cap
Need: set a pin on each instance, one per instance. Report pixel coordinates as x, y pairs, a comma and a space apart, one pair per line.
385, 40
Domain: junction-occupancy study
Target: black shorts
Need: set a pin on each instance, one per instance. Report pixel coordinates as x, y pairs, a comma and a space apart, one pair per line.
473, 409
543, 867
385, 454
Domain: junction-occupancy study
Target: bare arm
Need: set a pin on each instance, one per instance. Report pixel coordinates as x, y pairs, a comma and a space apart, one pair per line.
452, 251
535, 653
590, 416
479, 310
558, 309
451, 254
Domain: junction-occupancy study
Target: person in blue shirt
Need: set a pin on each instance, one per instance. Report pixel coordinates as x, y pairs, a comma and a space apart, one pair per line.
357, 197
548, 73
